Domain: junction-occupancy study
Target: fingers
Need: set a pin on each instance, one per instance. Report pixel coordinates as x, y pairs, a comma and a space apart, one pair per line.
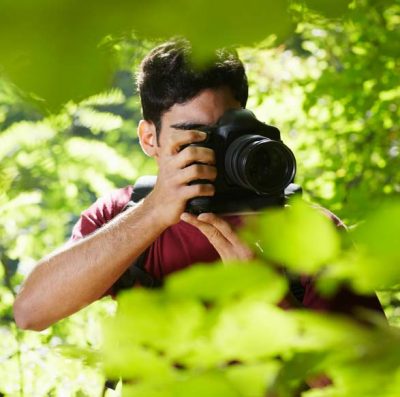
239, 249
221, 236
177, 139
189, 164
198, 190
195, 154
197, 171
214, 236
222, 226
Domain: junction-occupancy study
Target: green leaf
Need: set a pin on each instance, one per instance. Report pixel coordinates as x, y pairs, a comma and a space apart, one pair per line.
72, 64
153, 320
379, 235
298, 236
220, 282
248, 331
254, 379
330, 8
211, 384
373, 263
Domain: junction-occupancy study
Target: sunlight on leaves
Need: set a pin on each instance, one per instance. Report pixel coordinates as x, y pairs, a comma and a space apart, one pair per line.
299, 237
221, 282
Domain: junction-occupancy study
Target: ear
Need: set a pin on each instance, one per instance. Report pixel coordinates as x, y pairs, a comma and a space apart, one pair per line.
148, 137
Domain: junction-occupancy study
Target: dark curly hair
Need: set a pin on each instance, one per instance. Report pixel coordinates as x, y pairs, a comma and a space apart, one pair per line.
168, 76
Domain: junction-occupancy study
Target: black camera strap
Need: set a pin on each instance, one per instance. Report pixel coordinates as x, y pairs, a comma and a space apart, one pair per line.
136, 272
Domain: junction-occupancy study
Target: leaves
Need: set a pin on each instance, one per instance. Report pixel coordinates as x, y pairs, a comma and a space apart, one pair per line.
374, 262
36, 63
330, 85
299, 237
204, 282
47, 177
186, 344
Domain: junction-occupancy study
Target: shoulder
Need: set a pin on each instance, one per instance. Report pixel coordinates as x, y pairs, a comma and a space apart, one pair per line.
101, 211
108, 206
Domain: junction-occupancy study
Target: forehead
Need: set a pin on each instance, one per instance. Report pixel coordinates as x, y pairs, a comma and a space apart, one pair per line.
205, 108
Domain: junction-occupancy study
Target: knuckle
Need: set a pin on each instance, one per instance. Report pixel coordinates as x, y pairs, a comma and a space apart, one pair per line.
204, 153
198, 169
191, 173
207, 171
194, 152
189, 153
198, 189
194, 171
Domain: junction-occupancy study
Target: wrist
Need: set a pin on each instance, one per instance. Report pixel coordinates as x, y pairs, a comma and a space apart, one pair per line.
157, 212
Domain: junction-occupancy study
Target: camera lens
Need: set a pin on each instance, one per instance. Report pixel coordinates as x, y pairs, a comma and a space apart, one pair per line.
260, 164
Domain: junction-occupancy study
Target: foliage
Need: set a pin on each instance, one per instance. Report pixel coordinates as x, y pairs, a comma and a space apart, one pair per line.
51, 168
333, 91
218, 329
329, 84
36, 63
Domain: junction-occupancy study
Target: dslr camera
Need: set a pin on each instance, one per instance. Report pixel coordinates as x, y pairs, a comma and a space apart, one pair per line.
255, 169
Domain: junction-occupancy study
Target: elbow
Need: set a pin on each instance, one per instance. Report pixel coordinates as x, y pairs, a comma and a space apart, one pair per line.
25, 318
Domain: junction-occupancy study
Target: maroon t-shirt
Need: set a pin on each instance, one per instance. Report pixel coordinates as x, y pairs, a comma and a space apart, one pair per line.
177, 247
182, 245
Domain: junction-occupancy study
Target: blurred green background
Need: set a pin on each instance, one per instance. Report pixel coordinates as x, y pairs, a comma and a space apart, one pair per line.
326, 73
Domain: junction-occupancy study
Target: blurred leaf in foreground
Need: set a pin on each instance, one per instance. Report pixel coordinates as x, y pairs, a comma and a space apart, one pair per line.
164, 343
298, 236
184, 323
374, 262
218, 283
53, 51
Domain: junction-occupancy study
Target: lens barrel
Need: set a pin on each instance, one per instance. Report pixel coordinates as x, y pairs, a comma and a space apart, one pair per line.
260, 164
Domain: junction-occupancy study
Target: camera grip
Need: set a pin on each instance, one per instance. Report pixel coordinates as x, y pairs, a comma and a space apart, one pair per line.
198, 205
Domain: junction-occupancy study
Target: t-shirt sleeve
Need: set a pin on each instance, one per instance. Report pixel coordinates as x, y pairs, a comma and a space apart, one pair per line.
100, 212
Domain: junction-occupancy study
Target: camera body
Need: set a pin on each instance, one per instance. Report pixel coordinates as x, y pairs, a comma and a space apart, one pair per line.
254, 168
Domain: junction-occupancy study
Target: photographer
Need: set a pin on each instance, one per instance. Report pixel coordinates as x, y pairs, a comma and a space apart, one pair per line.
107, 240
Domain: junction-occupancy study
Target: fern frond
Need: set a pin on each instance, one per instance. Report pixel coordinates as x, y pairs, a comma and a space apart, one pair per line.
27, 135
97, 121
112, 97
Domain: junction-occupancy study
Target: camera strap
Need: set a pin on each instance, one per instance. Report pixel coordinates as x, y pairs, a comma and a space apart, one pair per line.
136, 272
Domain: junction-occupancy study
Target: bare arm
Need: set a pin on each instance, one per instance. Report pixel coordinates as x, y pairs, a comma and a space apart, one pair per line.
80, 273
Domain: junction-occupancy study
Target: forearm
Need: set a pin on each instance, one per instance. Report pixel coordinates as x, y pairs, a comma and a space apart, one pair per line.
80, 273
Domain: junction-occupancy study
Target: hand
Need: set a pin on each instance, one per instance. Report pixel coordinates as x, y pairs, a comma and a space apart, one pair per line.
176, 169
221, 236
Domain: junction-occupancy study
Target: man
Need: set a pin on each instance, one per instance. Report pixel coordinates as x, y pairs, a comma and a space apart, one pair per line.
106, 240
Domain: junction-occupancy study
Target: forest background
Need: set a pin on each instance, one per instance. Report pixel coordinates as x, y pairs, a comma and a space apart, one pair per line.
325, 73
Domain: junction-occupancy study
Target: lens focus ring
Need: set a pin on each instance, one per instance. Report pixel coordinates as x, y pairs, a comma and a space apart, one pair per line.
260, 164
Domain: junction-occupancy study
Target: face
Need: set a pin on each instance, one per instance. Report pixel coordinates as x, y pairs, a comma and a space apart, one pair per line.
205, 109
